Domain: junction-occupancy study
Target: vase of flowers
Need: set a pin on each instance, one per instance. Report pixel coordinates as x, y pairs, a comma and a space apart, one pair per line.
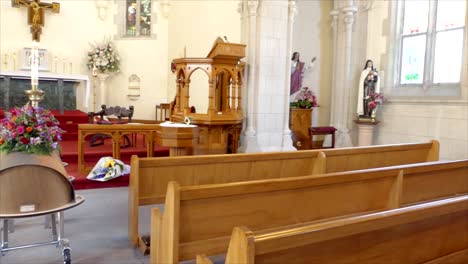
374, 99
305, 99
31, 130
103, 60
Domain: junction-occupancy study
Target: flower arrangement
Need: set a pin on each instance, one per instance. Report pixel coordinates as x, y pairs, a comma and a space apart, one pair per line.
29, 129
103, 58
374, 100
305, 99
108, 168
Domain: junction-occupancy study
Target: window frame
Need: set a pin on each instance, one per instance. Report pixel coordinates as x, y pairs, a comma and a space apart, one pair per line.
121, 20
428, 87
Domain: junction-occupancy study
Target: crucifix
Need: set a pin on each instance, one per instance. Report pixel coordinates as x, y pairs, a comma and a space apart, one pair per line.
36, 14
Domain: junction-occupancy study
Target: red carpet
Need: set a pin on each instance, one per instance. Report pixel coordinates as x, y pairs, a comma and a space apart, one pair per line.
69, 121
93, 154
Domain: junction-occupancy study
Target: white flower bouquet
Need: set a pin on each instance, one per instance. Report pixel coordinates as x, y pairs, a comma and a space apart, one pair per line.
108, 168
103, 58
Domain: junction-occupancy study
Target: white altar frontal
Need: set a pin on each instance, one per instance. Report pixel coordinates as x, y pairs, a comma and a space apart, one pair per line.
83, 86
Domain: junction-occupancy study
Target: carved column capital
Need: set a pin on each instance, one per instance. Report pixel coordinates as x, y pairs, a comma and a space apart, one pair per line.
364, 5
349, 14
292, 10
252, 5
334, 13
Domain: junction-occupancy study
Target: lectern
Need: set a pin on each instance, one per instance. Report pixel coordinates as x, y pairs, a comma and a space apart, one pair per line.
220, 125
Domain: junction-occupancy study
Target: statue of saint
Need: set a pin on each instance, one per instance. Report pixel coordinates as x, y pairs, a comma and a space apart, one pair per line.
297, 72
368, 83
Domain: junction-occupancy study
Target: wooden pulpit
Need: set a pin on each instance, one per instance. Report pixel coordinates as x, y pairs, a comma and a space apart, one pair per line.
220, 125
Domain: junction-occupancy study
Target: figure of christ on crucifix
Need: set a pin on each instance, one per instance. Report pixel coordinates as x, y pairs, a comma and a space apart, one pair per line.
36, 14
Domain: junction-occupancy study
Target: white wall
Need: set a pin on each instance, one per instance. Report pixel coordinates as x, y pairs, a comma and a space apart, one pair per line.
312, 37
194, 24
416, 119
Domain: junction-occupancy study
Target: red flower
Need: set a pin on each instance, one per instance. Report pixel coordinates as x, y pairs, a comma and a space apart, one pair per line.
372, 105
24, 140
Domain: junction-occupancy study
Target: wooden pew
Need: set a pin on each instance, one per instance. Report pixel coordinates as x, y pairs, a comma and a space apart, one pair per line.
432, 233
199, 219
150, 176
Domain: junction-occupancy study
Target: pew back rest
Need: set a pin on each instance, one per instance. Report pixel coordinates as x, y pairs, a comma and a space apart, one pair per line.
199, 219
358, 158
155, 173
439, 228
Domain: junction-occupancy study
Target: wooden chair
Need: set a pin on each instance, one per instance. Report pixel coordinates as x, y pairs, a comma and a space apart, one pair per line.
315, 131
116, 112
163, 112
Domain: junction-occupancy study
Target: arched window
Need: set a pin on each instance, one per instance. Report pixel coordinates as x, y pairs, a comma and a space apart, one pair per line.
431, 40
136, 18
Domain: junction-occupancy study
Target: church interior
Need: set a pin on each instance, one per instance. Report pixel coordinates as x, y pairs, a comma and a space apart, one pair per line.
233, 131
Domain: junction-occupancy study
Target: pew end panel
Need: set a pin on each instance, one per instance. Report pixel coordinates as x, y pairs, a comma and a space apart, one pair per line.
203, 259
241, 246
358, 158
133, 201
167, 248
155, 236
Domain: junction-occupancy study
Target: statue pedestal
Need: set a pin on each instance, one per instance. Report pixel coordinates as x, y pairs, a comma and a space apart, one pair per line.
366, 132
102, 88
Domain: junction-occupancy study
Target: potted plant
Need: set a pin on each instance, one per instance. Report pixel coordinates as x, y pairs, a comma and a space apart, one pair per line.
305, 99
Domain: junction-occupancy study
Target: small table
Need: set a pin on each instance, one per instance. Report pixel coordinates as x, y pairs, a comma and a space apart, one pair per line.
315, 131
116, 131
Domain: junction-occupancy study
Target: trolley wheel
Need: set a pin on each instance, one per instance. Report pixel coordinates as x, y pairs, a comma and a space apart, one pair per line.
66, 256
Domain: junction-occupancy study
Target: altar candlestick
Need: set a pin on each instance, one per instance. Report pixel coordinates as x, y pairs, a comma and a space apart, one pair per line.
55, 63
34, 64
14, 61
185, 51
5, 62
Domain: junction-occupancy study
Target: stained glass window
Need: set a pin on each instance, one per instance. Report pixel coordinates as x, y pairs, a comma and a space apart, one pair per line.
432, 42
138, 18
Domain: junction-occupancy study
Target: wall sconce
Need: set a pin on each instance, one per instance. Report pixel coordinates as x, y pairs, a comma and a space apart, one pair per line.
133, 87
165, 5
102, 6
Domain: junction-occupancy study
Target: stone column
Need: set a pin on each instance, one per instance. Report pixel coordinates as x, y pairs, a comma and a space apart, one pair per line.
287, 140
342, 66
267, 49
249, 138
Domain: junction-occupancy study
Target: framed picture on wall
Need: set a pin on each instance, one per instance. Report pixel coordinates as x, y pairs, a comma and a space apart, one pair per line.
43, 60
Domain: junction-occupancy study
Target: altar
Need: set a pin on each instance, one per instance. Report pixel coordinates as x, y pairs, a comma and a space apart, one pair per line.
63, 91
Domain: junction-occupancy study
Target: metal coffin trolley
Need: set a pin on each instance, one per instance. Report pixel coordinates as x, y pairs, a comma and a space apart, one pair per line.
34, 185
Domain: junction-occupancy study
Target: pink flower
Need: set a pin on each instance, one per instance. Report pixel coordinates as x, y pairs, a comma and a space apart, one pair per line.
20, 130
